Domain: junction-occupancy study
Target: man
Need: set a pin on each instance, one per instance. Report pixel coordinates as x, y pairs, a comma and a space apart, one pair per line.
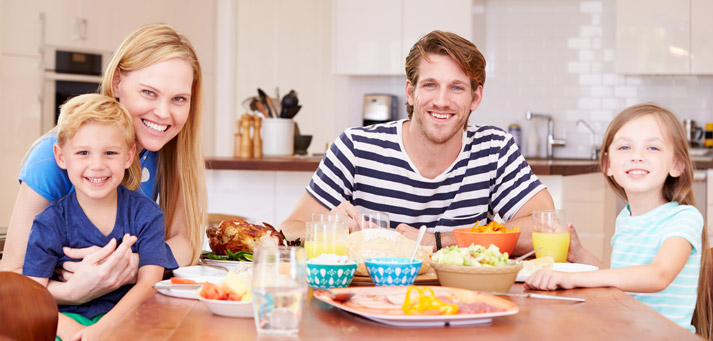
432, 169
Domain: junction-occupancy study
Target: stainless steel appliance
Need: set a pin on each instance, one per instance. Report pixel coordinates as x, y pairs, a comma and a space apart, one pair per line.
379, 108
68, 73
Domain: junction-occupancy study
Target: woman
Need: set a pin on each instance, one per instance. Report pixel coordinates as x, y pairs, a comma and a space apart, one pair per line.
155, 73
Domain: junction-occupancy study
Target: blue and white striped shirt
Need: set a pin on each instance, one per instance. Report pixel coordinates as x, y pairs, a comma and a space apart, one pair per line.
638, 239
368, 167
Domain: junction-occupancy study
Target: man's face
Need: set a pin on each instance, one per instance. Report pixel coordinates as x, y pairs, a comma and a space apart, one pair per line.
442, 99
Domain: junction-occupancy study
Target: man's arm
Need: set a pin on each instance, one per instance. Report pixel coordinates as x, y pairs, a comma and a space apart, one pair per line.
523, 219
294, 226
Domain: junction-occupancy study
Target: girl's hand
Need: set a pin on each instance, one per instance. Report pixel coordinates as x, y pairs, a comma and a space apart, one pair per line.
549, 280
102, 270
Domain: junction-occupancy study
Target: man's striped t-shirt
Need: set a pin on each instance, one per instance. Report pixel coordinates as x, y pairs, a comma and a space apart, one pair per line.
368, 167
636, 242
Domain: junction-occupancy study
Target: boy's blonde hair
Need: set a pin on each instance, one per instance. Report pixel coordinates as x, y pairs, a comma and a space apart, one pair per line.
679, 189
95, 108
181, 167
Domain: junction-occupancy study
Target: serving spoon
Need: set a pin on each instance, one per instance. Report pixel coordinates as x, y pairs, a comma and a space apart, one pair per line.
421, 232
526, 255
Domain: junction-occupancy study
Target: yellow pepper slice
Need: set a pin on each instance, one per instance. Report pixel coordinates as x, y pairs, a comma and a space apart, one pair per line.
426, 302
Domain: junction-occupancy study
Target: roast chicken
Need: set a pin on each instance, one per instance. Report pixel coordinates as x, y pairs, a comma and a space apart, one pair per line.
239, 235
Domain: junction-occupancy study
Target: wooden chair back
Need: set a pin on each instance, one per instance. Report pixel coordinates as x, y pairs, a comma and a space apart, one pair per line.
27, 310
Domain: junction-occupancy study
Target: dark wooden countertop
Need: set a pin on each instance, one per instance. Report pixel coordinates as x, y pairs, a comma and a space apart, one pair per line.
310, 163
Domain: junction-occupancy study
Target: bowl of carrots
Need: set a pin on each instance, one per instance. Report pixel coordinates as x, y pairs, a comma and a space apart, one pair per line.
492, 233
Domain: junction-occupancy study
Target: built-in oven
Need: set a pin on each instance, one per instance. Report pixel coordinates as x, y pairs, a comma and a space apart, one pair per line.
68, 73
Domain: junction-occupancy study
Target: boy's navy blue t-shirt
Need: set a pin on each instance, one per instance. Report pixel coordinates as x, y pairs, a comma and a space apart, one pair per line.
64, 223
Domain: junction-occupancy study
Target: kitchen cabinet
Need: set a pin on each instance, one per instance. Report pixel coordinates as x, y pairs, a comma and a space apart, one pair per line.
373, 37
590, 205
260, 196
664, 37
20, 86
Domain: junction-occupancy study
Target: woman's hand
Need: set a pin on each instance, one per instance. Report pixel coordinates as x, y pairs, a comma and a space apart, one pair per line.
102, 270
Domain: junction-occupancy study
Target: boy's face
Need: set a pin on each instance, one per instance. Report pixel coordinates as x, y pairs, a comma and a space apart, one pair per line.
95, 159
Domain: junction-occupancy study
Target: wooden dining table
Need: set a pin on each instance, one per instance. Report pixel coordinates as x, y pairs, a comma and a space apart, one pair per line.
607, 314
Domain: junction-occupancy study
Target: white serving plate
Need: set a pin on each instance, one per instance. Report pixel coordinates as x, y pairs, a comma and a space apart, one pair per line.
191, 272
564, 267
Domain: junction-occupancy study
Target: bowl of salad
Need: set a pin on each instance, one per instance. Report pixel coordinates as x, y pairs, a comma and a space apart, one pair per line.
475, 268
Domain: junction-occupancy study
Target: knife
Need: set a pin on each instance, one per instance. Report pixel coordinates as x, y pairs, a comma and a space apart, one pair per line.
177, 286
540, 296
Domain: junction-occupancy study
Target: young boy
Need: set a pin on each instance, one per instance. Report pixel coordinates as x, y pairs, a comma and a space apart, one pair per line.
96, 146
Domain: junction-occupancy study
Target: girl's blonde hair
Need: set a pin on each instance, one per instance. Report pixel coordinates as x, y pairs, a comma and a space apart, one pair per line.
679, 189
95, 108
181, 170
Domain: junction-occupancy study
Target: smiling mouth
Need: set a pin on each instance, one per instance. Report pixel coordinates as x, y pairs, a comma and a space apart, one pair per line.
97, 180
155, 127
440, 116
637, 172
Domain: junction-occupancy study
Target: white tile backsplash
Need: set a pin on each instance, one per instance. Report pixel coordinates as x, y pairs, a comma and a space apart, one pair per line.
555, 57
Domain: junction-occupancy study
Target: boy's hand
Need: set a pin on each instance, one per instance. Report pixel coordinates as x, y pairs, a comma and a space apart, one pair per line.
102, 270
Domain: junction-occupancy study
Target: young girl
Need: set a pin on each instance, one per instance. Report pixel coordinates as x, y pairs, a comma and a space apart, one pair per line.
156, 75
660, 247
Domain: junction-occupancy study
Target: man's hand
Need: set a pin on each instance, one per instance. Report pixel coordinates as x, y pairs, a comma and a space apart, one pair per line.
429, 239
102, 270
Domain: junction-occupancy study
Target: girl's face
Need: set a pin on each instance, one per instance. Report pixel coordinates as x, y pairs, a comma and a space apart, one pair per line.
159, 98
640, 158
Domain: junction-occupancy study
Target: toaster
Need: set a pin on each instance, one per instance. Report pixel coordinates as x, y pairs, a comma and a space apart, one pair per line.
379, 108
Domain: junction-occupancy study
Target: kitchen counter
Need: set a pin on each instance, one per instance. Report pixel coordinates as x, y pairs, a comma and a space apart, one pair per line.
310, 163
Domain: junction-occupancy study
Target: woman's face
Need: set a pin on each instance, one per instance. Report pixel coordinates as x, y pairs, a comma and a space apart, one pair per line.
158, 98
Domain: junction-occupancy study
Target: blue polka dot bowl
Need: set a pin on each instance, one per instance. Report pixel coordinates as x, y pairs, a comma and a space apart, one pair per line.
328, 276
388, 271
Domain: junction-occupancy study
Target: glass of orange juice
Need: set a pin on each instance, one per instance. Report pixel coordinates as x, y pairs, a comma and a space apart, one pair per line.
326, 233
550, 231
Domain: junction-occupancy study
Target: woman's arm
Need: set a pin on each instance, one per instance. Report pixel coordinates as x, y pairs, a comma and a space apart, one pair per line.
148, 276
98, 274
666, 265
28, 205
179, 239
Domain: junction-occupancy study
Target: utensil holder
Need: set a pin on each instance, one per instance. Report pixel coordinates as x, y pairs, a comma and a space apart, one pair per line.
278, 137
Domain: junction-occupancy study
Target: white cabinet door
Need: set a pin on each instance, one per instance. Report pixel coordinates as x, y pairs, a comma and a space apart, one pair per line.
367, 37
701, 33
373, 37
20, 85
653, 37
20, 32
423, 16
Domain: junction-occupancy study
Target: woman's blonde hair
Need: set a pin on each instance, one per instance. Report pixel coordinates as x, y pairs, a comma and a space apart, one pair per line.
679, 189
95, 108
181, 170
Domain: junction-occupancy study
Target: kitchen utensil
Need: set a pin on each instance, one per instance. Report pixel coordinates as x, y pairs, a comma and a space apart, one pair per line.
527, 254
263, 98
290, 100
261, 108
421, 231
202, 262
289, 112
160, 285
540, 296
271, 107
339, 297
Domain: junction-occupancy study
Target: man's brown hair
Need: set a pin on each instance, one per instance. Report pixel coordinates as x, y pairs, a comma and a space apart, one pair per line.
458, 48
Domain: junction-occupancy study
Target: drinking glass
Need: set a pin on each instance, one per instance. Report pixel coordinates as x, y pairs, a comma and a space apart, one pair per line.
550, 231
326, 233
279, 289
374, 219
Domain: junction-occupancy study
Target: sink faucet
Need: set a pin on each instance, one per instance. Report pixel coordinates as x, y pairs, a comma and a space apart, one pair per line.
551, 140
594, 155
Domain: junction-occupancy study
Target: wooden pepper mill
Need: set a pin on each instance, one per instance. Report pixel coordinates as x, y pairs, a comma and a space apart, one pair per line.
257, 139
236, 141
246, 143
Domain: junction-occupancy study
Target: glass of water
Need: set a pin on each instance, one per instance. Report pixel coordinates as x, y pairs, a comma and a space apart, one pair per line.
279, 289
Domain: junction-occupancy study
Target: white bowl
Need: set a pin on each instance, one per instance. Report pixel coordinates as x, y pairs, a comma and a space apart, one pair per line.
229, 308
